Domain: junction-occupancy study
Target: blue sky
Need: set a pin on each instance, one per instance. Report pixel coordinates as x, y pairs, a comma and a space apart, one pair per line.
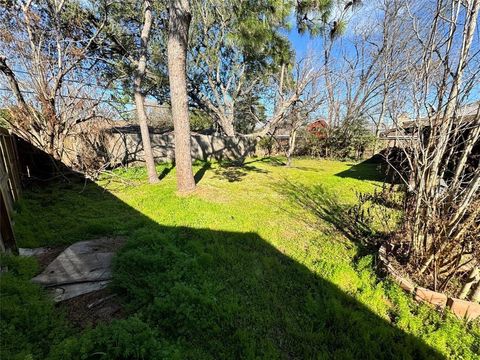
304, 43
301, 43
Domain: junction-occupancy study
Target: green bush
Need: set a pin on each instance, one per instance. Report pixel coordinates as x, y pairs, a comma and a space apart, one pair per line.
4, 118
309, 144
350, 140
200, 120
266, 144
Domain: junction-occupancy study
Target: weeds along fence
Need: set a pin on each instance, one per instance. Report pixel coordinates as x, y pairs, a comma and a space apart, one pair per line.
10, 188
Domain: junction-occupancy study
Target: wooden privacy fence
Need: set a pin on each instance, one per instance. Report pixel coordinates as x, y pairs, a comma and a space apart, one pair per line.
9, 189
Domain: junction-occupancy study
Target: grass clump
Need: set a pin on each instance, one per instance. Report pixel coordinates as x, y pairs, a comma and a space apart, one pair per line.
122, 339
30, 324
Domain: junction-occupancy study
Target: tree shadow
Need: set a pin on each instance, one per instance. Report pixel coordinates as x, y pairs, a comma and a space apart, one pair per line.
216, 294
201, 172
389, 166
271, 160
307, 168
166, 171
376, 169
323, 204
234, 172
366, 170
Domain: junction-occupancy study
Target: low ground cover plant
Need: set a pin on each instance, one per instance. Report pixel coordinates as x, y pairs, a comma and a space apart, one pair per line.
239, 269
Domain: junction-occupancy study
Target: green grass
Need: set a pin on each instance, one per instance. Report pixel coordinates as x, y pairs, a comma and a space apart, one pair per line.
242, 268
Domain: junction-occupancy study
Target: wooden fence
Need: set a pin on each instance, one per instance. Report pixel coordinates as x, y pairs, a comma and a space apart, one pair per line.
10, 187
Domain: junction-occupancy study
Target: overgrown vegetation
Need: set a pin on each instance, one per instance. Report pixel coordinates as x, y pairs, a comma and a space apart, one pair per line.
30, 325
442, 155
201, 277
350, 140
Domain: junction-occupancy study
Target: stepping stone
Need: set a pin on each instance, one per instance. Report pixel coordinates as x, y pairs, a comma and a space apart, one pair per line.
81, 268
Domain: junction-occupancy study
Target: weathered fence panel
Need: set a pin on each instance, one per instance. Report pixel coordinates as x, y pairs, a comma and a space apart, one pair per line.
10, 188
123, 145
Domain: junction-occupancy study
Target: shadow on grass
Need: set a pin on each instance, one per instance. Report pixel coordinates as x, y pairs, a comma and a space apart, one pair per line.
347, 219
235, 173
201, 172
200, 293
376, 169
366, 170
271, 160
166, 171
307, 168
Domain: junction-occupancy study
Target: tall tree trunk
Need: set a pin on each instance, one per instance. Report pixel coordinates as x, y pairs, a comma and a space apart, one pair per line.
139, 95
291, 145
476, 294
179, 23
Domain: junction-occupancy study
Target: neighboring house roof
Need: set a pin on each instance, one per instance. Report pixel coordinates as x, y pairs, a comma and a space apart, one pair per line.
283, 130
135, 129
395, 134
405, 126
97, 124
316, 128
471, 109
317, 125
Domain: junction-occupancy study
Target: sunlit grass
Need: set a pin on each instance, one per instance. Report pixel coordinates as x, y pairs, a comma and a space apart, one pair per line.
240, 269
63, 214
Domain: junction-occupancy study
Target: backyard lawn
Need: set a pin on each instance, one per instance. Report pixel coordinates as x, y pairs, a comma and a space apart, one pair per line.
241, 268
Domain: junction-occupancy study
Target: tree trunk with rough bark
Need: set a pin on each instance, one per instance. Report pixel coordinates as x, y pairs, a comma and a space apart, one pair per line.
179, 23
140, 97
226, 123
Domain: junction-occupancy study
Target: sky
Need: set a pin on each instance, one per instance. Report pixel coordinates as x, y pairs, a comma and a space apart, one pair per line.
303, 43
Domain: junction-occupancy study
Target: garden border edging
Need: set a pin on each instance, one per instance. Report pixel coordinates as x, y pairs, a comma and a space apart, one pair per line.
463, 309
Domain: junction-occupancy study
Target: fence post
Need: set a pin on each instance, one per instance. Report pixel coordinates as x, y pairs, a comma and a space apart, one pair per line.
9, 190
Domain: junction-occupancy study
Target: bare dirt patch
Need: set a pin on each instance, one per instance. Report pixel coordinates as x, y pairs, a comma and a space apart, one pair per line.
91, 309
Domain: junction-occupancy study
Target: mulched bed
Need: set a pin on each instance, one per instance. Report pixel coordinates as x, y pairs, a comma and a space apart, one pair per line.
398, 257
92, 309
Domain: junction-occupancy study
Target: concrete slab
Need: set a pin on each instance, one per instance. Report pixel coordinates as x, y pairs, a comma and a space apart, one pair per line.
76, 264
81, 268
65, 292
